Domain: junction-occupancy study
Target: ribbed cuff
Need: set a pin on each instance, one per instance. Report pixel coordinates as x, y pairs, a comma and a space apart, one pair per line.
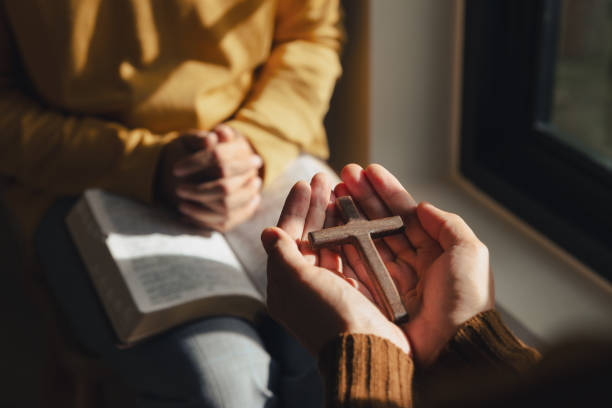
484, 340
362, 370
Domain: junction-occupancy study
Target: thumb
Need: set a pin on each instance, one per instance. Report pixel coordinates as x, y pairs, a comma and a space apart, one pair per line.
269, 237
281, 248
446, 228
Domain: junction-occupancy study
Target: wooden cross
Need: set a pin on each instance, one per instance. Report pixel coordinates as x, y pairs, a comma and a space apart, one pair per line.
360, 232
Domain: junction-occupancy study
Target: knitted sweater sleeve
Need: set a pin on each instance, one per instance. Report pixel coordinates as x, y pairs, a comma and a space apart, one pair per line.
362, 370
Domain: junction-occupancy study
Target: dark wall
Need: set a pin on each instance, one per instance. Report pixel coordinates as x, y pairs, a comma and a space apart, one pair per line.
347, 123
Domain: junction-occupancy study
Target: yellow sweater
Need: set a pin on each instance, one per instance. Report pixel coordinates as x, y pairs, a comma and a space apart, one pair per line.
91, 90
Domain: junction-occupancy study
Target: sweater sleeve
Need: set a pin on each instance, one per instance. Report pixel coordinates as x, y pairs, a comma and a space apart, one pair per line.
361, 370
284, 112
484, 342
482, 355
62, 153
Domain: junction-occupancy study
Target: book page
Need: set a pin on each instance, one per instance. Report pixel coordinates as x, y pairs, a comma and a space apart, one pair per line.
164, 261
245, 239
121, 215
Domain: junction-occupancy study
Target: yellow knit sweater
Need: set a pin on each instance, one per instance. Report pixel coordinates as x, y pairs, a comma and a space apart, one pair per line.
91, 90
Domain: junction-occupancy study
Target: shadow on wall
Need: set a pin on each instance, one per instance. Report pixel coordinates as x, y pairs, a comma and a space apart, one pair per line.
347, 122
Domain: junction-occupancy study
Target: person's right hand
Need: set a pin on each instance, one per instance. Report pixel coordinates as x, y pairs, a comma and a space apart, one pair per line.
440, 267
211, 177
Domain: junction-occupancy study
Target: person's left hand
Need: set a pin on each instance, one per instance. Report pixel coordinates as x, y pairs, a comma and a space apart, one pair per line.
307, 291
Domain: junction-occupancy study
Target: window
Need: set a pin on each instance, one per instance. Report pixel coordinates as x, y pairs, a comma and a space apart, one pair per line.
536, 129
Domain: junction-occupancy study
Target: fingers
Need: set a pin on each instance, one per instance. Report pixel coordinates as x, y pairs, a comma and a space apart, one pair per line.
362, 190
220, 204
231, 156
385, 253
235, 157
224, 194
329, 258
340, 191
295, 210
195, 140
320, 193
207, 217
320, 196
194, 163
446, 228
239, 198
354, 177
282, 248
399, 202
390, 191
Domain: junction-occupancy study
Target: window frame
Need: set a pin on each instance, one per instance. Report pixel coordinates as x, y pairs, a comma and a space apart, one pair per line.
508, 80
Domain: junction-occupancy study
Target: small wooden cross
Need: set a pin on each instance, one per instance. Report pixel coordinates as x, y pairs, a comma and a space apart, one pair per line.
359, 232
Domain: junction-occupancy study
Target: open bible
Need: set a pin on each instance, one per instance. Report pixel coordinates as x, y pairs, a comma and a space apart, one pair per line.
153, 271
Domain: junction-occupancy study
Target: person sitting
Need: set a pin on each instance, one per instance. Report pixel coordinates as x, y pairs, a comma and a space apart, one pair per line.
194, 104
454, 350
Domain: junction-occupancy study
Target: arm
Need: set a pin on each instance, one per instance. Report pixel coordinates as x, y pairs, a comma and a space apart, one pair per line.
284, 112
54, 151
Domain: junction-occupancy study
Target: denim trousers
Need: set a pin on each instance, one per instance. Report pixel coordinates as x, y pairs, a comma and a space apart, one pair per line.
212, 362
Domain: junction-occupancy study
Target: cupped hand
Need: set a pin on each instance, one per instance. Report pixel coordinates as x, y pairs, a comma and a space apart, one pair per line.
307, 291
211, 177
440, 267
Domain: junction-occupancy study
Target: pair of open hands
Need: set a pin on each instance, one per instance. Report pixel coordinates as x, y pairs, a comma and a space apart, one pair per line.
439, 266
212, 178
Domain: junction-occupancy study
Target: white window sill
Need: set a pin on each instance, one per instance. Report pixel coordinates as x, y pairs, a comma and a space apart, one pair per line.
543, 288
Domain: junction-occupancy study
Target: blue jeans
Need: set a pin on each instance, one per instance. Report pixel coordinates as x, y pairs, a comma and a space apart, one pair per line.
214, 362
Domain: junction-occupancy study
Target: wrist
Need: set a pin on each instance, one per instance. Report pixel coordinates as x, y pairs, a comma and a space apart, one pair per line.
387, 331
428, 342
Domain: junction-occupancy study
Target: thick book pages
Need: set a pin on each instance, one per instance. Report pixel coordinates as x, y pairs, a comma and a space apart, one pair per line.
153, 271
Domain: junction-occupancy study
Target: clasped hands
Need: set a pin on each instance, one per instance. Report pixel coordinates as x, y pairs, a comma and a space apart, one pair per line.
212, 178
439, 266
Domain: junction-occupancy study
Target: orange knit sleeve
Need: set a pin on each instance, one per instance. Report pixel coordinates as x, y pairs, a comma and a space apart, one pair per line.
484, 341
362, 370
483, 354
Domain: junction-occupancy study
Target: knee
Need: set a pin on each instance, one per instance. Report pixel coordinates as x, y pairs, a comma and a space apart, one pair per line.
234, 368
218, 363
